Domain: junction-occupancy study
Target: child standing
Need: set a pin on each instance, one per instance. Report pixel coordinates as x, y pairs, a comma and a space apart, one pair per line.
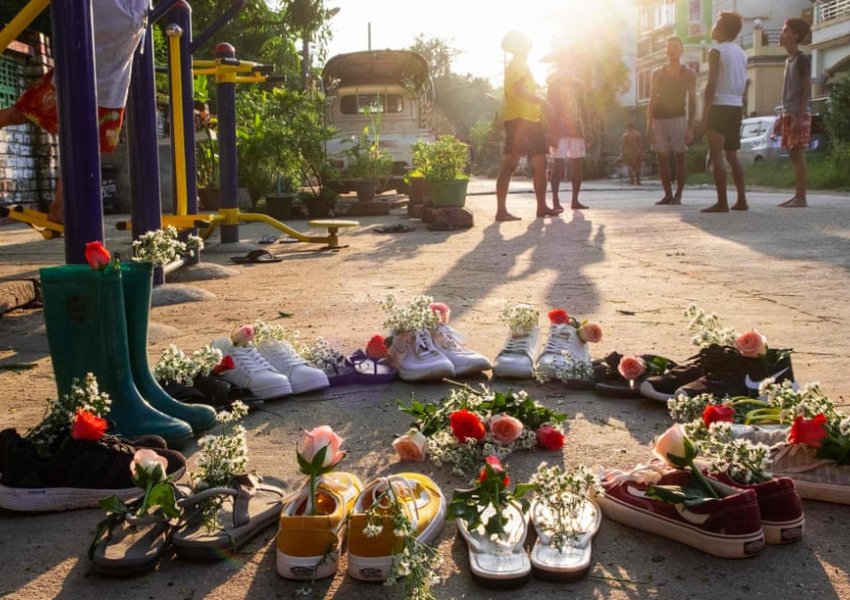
723, 108
795, 125
631, 152
566, 95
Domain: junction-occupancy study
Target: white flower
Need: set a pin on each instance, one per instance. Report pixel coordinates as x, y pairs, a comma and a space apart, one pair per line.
162, 246
520, 318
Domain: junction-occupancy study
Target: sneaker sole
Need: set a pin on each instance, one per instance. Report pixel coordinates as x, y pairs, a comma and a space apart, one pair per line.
272, 393
513, 372
316, 383
377, 568
824, 492
783, 532
306, 568
647, 391
429, 374
722, 546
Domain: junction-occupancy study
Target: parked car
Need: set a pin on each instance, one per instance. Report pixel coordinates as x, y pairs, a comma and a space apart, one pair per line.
819, 142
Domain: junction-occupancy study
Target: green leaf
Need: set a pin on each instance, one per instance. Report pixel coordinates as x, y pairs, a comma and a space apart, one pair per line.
162, 495
318, 459
113, 505
677, 461
303, 465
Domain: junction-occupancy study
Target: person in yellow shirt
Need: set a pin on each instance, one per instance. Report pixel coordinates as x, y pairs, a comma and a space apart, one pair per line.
524, 132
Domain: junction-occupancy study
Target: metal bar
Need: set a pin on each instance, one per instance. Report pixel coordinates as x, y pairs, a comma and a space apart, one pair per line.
160, 9
228, 165
204, 37
21, 21
178, 126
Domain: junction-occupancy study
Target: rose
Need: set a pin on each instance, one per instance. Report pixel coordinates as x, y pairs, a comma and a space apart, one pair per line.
466, 426
242, 336
148, 465
718, 413
811, 432
97, 256
631, 367
550, 438
411, 445
674, 447
322, 438
591, 332
505, 428
558, 316
751, 344
88, 426
497, 468
442, 311
225, 364
376, 349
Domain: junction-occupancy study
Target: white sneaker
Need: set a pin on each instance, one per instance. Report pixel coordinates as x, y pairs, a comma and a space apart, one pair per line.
285, 360
565, 355
516, 358
465, 361
252, 371
417, 358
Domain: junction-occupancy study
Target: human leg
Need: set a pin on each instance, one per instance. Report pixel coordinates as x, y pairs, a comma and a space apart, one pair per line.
738, 178
664, 173
538, 178
681, 176
718, 168
576, 175
503, 180
798, 158
556, 177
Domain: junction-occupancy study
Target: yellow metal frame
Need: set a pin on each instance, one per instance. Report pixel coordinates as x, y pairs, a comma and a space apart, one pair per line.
35, 219
182, 199
20, 22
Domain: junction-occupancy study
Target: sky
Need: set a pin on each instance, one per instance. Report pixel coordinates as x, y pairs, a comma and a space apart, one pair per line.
475, 27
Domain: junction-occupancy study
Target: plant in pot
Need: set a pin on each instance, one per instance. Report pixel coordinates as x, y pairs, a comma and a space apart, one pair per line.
443, 165
368, 164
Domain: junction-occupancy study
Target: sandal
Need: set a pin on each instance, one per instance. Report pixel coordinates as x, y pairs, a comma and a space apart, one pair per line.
609, 382
340, 372
572, 561
132, 546
257, 257
500, 563
249, 507
369, 370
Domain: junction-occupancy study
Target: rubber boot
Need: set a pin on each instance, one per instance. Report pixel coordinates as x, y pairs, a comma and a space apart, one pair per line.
137, 279
87, 332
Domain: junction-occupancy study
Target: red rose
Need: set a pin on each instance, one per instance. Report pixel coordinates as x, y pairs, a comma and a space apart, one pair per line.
558, 316
376, 349
225, 364
88, 426
808, 431
97, 256
497, 467
550, 438
466, 425
718, 413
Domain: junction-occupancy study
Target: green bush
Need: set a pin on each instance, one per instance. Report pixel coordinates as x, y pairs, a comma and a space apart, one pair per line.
443, 160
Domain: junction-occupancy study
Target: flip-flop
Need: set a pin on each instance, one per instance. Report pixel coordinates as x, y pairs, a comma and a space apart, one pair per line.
249, 507
131, 546
609, 382
572, 561
500, 564
256, 257
397, 228
268, 239
369, 370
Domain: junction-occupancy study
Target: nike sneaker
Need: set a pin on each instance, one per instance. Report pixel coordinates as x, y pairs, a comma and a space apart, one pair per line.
417, 358
566, 357
738, 376
516, 358
451, 344
663, 387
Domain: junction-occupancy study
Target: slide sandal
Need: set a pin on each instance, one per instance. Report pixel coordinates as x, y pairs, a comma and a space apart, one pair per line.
572, 561
132, 546
369, 370
501, 564
257, 257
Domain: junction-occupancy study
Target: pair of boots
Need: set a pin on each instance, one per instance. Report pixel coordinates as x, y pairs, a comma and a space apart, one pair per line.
97, 321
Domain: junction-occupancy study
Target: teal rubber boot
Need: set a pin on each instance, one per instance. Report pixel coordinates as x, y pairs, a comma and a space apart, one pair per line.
87, 332
137, 279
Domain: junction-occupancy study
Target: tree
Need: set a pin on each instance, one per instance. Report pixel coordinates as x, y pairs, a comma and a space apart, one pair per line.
837, 117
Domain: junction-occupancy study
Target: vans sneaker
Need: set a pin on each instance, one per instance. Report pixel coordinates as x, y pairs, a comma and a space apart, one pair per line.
737, 375
417, 358
465, 361
252, 371
307, 544
371, 545
516, 358
663, 387
815, 478
728, 527
566, 356
285, 360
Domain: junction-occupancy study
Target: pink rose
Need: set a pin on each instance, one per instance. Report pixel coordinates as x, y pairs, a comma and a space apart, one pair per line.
505, 428
411, 445
672, 442
149, 463
751, 344
631, 367
591, 332
322, 437
242, 336
442, 311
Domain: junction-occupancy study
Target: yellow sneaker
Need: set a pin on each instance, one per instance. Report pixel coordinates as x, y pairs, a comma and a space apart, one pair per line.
308, 545
371, 546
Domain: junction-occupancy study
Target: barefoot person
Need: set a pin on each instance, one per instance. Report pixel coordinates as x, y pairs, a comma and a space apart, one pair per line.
723, 108
795, 124
523, 128
631, 152
567, 98
670, 116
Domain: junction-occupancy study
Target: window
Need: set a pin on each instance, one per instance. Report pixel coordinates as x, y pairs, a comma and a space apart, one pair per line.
643, 83
661, 13
353, 104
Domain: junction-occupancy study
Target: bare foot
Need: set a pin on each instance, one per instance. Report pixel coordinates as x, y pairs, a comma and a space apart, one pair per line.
665, 200
716, 208
557, 208
740, 206
507, 217
577, 206
547, 212
794, 203
677, 199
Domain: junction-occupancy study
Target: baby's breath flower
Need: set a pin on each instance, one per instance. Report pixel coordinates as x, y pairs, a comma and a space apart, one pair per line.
162, 246
520, 318
413, 316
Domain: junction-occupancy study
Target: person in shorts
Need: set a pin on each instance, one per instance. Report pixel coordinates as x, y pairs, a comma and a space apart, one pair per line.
631, 152
795, 124
723, 108
670, 116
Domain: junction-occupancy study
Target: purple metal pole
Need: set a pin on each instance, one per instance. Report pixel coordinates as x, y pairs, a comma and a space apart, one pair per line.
79, 144
142, 146
228, 171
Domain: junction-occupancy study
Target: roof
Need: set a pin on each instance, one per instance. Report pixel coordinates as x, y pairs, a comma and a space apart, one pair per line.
376, 66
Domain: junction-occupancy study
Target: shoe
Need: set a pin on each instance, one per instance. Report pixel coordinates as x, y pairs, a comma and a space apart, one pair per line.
663, 387
609, 381
308, 545
728, 527
516, 358
450, 343
565, 356
78, 475
252, 371
417, 358
572, 561
371, 558
285, 360
500, 563
779, 505
737, 375
815, 478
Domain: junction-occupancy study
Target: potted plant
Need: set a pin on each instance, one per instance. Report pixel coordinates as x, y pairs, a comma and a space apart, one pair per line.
443, 165
368, 164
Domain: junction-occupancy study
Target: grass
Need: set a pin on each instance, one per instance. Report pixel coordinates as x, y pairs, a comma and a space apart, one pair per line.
824, 173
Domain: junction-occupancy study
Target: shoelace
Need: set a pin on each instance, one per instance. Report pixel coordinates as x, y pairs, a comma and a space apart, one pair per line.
650, 473
560, 344
285, 353
423, 344
249, 360
452, 340
518, 345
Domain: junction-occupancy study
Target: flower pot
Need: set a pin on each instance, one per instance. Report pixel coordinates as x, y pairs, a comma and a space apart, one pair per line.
446, 193
366, 190
417, 190
279, 206
210, 198
318, 208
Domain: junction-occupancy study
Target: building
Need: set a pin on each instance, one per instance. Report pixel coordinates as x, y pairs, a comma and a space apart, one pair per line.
830, 44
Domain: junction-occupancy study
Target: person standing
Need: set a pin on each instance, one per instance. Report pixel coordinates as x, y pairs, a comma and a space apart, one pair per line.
566, 96
670, 116
631, 152
723, 108
523, 128
795, 124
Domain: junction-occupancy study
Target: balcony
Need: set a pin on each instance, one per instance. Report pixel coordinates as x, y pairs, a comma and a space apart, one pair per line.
831, 10
832, 24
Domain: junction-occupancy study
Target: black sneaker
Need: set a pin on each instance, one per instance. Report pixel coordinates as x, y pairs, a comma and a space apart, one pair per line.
609, 382
78, 475
740, 377
663, 387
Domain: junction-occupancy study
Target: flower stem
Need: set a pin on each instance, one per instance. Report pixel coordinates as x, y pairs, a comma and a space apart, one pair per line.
703, 481
144, 506
313, 485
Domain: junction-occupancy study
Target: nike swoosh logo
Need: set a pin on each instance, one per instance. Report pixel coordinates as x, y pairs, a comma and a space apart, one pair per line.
754, 385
